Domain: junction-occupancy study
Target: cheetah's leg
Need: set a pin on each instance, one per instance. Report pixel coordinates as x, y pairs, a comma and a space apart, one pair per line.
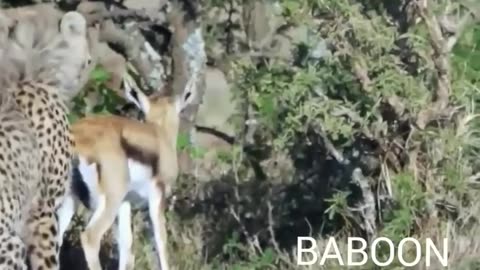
156, 207
43, 250
113, 188
12, 251
65, 213
125, 237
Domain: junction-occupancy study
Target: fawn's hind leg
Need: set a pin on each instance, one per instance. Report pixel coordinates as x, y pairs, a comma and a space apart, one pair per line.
113, 183
156, 206
125, 237
64, 214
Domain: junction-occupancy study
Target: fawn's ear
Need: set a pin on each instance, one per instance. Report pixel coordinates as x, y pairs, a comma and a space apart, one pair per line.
135, 95
186, 98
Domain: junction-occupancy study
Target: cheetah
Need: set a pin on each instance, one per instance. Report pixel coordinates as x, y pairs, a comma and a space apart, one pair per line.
41, 69
19, 150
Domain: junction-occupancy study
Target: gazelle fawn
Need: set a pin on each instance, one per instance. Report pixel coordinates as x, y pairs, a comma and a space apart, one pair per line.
116, 156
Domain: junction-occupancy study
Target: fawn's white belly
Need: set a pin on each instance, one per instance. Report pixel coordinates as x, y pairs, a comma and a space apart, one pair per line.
139, 182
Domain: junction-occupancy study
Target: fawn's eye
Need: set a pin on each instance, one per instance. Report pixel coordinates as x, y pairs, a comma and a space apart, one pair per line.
187, 95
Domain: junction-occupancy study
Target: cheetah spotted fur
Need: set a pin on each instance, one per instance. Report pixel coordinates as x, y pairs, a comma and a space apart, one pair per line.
35, 141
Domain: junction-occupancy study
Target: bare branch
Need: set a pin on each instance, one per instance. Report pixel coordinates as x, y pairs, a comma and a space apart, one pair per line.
96, 12
442, 44
367, 207
454, 27
331, 148
359, 67
132, 43
361, 72
189, 59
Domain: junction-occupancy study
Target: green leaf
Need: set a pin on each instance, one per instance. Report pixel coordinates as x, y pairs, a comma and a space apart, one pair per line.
98, 108
72, 118
197, 152
99, 75
182, 141
268, 257
224, 156
267, 106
